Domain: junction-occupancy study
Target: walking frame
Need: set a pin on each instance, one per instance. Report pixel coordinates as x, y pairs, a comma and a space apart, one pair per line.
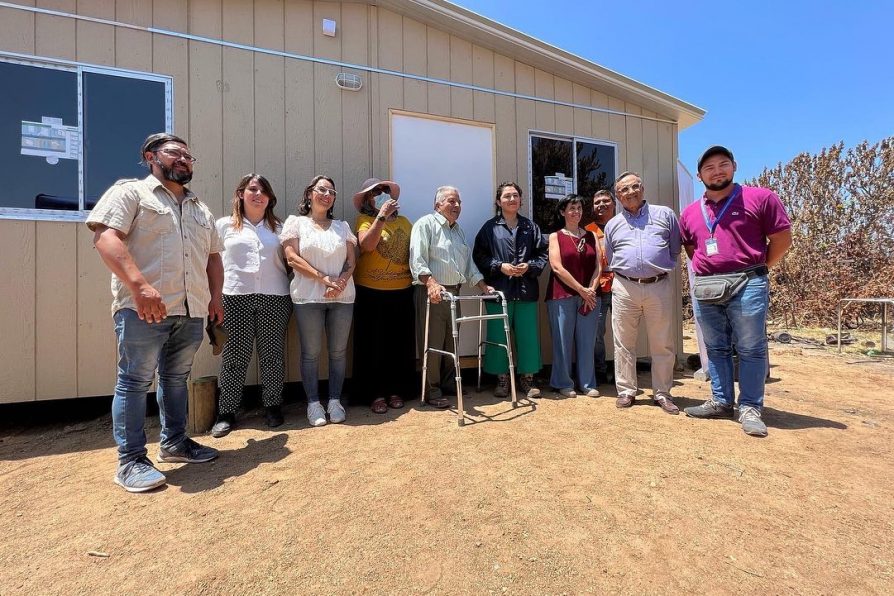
455, 322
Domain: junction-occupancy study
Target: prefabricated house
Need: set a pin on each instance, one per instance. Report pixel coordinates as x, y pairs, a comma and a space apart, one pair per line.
420, 91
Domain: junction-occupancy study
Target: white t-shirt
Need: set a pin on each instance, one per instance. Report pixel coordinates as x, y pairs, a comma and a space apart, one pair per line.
326, 251
253, 259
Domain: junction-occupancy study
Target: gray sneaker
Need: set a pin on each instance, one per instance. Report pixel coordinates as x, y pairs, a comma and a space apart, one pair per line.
710, 409
139, 475
187, 452
526, 386
502, 388
750, 419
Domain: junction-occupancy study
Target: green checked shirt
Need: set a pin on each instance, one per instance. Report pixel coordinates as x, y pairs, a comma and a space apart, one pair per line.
440, 250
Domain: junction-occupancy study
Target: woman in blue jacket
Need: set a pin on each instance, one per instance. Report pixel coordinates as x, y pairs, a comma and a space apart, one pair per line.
511, 253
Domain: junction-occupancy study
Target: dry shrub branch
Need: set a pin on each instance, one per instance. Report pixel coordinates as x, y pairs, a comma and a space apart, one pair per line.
842, 208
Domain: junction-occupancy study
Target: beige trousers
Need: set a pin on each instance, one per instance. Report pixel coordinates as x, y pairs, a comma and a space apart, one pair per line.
653, 304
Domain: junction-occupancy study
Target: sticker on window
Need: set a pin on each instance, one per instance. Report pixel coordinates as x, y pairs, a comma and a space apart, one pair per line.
50, 139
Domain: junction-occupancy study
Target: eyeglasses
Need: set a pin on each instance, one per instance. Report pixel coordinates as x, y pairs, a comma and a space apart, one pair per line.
628, 189
178, 155
325, 191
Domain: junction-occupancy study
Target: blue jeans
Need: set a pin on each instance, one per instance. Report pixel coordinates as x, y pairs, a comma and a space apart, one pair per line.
572, 331
314, 319
741, 323
599, 346
143, 347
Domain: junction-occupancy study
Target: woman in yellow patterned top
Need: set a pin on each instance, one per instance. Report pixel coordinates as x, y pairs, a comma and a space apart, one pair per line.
384, 316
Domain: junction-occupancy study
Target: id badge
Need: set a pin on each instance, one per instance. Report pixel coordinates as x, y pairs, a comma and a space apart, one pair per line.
711, 247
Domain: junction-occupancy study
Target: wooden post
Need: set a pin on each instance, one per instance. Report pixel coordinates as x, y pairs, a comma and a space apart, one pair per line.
202, 405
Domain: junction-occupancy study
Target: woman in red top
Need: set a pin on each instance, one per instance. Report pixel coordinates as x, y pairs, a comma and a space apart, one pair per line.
572, 300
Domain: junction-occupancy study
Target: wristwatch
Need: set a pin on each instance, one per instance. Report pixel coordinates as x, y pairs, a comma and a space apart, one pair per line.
381, 218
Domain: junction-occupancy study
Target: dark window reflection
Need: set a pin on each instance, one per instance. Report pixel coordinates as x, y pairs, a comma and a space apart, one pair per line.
548, 158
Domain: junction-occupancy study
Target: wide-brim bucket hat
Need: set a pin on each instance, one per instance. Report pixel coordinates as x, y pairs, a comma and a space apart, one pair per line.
371, 183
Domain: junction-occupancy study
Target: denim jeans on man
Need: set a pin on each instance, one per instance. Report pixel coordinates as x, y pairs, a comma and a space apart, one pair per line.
741, 323
315, 318
143, 348
599, 346
572, 333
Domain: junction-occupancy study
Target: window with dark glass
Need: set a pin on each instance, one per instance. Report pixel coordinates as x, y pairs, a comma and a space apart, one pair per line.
68, 132
561, 166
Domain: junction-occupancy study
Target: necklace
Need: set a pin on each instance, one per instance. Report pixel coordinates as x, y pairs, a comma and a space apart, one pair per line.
580, 238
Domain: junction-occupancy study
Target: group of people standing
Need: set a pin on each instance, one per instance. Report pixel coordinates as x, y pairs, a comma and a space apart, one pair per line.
173, 265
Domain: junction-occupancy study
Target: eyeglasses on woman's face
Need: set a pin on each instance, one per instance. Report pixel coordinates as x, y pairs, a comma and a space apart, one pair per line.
325, 191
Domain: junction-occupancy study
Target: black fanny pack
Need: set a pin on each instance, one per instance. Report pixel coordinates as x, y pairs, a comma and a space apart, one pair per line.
719, 289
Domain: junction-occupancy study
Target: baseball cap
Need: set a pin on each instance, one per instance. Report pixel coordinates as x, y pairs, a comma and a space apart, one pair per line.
712, 151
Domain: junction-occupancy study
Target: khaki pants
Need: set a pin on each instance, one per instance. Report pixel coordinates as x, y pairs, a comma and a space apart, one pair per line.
652, 303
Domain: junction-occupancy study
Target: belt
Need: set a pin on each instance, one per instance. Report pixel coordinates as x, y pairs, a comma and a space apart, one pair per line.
642, 280
753, 271
454, 289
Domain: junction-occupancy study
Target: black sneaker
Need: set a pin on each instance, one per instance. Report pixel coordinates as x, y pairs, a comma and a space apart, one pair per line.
223, 426
187, 452
273, 416
710, 409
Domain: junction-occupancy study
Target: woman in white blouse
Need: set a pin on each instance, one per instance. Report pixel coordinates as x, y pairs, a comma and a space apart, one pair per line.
322, 252
256, 301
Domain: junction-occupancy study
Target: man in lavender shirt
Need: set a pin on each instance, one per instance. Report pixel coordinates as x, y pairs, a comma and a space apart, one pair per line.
733, 229
642, 244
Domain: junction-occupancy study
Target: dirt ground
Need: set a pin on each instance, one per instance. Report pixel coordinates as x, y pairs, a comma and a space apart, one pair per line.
561, 496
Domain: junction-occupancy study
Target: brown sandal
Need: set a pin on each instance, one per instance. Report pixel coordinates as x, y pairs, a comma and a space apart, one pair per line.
379, 406
396, 402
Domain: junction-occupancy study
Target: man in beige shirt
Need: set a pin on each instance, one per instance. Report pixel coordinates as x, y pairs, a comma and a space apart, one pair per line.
163, 250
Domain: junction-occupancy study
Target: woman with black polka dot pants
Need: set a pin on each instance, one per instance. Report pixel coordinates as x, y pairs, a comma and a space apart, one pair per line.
256, 301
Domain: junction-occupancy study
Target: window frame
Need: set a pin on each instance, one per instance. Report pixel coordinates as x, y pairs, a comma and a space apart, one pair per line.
80, 68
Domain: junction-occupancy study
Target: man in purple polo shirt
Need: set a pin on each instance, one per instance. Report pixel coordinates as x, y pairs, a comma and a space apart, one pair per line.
642, 244
734, 228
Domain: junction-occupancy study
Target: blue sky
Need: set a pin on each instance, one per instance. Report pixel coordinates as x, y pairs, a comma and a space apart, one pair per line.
776, 78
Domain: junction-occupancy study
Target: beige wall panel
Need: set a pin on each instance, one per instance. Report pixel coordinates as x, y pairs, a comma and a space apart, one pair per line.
103, 9
634, 127
17, 30
355, 107
135, 12
438, 67
172, 15
667, 164
326, 47
461, 101
299, 134
544, 86
327, 139
354, 26
390, 97
415, 61
237, 21
617, 128
55, 36
55, 329
239, 128
599, 120
170, 56
269, 24
17, 254
564, 115
390, 40
525, 120
206, 121
650, 161
96, 43
507, 141
269, 132
483, 76
206, 17
97, 352
133, 49
298, 22
583, 122
504, 73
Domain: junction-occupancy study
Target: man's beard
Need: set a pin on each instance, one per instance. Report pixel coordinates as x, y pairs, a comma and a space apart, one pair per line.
171, 175
720, 185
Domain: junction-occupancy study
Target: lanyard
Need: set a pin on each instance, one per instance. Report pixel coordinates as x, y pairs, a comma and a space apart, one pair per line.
713, 226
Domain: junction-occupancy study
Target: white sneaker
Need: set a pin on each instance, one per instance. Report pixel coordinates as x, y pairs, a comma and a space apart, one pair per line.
568, 392
589, 392
336, 411
316, 415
